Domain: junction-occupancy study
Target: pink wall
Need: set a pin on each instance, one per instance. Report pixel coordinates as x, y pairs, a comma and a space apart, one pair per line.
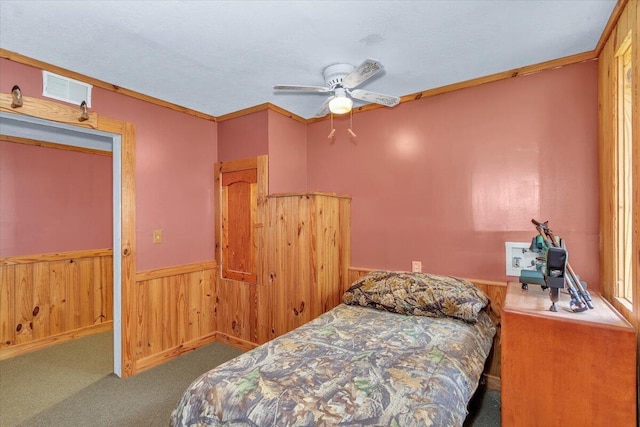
267, 132
175, 153
446, 180
53, 200
243, 137
287, 154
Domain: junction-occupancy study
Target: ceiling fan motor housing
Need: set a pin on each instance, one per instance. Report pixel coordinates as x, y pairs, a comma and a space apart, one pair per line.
334, 74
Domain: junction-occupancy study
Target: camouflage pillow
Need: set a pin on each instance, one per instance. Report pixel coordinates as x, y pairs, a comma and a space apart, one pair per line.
418, 294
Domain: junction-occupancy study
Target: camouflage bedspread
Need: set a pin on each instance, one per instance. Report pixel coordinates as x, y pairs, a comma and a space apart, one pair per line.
350, 366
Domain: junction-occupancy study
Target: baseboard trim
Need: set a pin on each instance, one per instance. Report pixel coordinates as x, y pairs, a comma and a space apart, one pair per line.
18, 349
235, 342
492, 382
173, 352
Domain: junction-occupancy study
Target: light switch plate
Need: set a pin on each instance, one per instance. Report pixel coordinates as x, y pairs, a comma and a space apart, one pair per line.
157, 236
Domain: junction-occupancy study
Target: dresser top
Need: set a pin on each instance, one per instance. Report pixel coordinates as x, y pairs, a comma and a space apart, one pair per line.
536, 302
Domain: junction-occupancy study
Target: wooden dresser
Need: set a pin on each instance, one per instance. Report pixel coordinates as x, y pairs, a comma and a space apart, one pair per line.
563, 368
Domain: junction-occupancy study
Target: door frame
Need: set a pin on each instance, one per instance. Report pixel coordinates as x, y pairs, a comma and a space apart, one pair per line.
49, 121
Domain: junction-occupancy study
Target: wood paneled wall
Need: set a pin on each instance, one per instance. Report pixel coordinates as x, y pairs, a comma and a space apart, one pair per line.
496, 291
306, 242
628, 23
45, 299
175, 312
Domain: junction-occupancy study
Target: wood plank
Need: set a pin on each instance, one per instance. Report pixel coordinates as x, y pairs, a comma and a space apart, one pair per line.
175, 270
258, 108
168, 327
141, 302
106, 278
49, 110
58, 296
73, 294
503, 75
172, 353
58, 256
194, 295
127, 250
624, 19
23, 303
208, 279
21, 59
532, 333
85, 292
38, 143
7, 306
41, 300
181, 308
153, 318
611, 25
17, 350
235, 341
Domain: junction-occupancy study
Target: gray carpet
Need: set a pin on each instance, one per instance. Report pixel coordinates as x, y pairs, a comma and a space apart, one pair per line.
71, 384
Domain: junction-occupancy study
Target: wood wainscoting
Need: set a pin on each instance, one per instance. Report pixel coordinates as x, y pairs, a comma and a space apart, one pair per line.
52, 298
175, 312
496, 291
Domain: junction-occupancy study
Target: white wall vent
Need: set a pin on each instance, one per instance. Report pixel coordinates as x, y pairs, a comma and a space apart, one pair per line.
65, 89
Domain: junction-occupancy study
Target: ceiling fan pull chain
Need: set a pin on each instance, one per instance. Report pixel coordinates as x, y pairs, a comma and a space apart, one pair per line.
333, 131
350, 130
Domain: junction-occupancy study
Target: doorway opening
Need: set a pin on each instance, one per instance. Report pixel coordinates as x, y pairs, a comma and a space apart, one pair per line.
22, 126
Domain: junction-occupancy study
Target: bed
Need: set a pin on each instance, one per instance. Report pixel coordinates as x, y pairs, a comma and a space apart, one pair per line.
404, 349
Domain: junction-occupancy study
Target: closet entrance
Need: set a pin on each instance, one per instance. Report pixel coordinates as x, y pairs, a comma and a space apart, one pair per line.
42, 120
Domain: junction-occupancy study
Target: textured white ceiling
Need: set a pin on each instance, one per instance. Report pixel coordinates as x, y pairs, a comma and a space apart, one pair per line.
218, 57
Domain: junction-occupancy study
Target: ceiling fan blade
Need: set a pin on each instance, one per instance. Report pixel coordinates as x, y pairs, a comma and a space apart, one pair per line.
297, 88
363, 72
378, 98
324, 110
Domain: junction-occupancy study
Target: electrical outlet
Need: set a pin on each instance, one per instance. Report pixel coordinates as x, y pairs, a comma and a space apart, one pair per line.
416, 266
519, 257
157, 236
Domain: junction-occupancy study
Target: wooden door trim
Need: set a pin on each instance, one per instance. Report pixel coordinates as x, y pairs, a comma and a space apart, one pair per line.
124, 132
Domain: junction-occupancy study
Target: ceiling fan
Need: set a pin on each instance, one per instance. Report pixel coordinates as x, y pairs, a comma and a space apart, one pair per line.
340, 80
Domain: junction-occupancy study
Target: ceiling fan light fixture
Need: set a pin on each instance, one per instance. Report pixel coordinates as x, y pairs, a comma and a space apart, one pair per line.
340, 104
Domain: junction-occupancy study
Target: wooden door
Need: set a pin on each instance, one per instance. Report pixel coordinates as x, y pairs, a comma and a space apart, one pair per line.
240, 190
238, 206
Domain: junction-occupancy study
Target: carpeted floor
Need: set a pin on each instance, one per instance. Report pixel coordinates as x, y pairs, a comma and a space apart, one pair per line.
71, 384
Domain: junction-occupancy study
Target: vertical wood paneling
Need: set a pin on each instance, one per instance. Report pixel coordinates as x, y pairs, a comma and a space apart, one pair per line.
141, 301
344, 244
52, 297
175, 310
195, 308
7, 306
303, 264
169, 312
24, 298
41, 300
72, 282
106, 264
629, 21
152, 319
58, 296
209, 295
181, 308
85, 291
234, 309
